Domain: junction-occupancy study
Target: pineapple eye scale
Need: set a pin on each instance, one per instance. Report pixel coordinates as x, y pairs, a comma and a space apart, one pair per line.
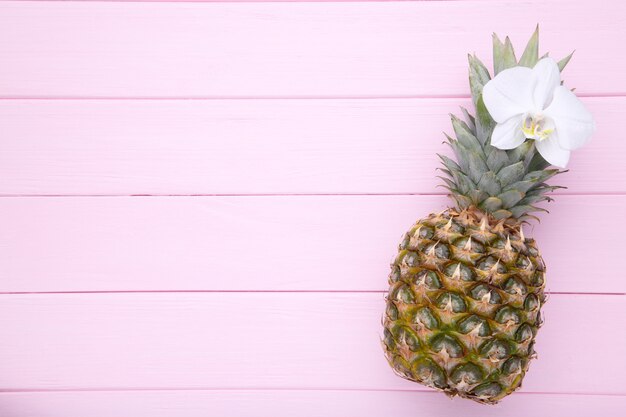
469, 373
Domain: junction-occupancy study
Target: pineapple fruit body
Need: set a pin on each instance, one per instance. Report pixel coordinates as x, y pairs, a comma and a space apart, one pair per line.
466, 287
463, 306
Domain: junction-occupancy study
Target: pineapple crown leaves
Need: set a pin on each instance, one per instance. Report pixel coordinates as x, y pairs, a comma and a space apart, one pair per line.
505, 183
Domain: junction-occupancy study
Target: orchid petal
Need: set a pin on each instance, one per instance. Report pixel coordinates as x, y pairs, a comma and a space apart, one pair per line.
509, 93
508, 135
574, 124
552, 152
546, 77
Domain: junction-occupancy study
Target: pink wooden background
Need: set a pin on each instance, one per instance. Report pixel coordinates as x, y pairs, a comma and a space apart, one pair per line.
199, 201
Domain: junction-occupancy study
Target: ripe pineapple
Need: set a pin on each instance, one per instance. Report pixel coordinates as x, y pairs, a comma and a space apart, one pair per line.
466, 288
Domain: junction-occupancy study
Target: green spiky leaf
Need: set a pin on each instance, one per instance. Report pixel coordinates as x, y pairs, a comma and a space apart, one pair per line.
562, 63
449, 163
542, 189
491, 204
531, 53
512, 173
449, 183
478, 77
523, 210
511, 198
541, 175
477, 196
469, 120
477, 166
522, 152
528, 200
537, 162
490, 184
464, 184
465, 136
501, 214
484, 122
521, 186
496, 158
462, 201
460, 154
503, 54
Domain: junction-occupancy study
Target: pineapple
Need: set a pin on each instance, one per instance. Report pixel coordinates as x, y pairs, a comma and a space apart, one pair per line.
466, 288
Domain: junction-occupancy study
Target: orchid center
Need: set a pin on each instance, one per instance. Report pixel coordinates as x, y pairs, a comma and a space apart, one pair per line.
537, 126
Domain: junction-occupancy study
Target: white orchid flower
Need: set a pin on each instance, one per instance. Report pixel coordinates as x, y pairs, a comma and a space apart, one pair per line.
532, 104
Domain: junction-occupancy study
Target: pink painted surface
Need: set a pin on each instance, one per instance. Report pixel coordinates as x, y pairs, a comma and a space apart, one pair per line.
256, 340
165, 147
114, 49
229, 289
266, 243
229, 1
303, 403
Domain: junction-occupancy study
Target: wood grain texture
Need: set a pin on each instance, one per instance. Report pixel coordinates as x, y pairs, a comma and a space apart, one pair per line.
126, 49
246, 403
122, 147
265, 341
286, 243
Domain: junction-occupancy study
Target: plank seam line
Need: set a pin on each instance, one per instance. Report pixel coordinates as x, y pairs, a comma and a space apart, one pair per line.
235, 1
580, 194
263, 97
209, 389
382, 292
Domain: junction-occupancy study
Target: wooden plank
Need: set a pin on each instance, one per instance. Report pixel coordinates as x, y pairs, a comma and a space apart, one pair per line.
264, 341
338, 243
122, 147
230, 1
246, 403
127, 49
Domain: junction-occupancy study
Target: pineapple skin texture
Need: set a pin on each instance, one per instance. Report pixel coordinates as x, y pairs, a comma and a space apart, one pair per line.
463, 307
